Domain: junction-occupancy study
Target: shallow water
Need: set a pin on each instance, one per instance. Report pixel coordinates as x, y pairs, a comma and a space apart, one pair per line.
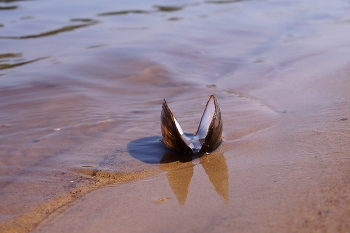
82, 84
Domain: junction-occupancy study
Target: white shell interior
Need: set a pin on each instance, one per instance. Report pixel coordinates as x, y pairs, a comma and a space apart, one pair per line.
194, 142
178, 126
206, 119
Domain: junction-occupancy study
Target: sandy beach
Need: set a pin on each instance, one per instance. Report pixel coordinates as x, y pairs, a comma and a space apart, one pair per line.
80, 121
290, 173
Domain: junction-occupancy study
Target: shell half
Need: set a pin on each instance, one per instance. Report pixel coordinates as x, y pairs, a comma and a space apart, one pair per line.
207, 138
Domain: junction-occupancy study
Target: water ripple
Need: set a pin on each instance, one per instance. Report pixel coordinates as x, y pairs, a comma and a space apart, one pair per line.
53, 32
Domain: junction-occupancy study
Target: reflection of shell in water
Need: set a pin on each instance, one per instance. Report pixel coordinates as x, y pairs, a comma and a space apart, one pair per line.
207, 137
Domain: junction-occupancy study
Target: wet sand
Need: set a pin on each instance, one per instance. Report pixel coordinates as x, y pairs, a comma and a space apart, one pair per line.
79, 135
290, 176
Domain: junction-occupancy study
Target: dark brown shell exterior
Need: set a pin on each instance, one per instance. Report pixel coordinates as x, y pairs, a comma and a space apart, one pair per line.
172, 137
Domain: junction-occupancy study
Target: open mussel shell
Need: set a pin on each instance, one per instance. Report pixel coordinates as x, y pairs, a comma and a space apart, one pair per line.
207, 138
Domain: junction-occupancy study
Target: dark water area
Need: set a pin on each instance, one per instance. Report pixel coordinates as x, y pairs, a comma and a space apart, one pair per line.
82, 82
